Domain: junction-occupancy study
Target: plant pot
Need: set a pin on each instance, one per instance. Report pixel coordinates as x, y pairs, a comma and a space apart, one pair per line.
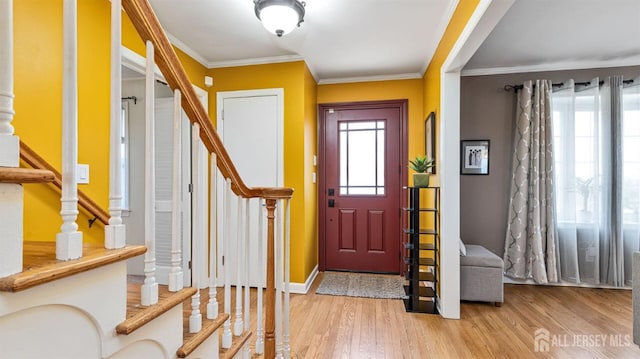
420, 180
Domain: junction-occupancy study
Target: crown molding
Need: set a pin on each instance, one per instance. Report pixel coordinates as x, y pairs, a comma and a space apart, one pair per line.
342, 80
187, 50
555, 66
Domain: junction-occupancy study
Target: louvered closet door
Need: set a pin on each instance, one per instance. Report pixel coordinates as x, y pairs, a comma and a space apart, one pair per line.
164, 168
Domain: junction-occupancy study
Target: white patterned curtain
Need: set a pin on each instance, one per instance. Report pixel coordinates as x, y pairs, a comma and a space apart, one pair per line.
531, 238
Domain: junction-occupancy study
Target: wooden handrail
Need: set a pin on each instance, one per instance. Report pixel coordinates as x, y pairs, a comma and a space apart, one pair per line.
146, 23
34, 160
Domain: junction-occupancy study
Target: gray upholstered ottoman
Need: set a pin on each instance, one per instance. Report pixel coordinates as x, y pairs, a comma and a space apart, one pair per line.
481, 275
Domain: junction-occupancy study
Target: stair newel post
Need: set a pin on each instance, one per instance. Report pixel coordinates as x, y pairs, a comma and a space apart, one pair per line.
278, 261
199, 224
9, 144
247, 267
114, 232
226, 333
150, 287
270, 322
69, 240
11, 219
287, 274
260, 285
240, 262
176, 277
212, 305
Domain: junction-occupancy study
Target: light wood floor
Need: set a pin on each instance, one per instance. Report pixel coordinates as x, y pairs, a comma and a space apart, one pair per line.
342, 327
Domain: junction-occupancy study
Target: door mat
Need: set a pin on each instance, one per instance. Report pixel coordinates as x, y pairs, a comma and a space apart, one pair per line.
364, 285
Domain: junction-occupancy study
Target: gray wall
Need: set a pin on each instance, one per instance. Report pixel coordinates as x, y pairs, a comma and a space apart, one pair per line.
487, 112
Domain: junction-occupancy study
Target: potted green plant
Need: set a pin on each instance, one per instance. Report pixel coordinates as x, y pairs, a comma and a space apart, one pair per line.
421, 165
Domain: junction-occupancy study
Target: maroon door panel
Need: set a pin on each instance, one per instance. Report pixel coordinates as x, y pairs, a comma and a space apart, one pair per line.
360, 186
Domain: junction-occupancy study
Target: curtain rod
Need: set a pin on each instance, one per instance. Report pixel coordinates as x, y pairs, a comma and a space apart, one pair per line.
519, 87
135, 99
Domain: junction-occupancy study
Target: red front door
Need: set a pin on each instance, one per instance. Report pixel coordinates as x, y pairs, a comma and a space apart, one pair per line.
360, 186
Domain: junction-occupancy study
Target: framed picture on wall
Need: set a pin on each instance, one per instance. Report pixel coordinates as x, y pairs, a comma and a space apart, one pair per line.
430, 139
474, 157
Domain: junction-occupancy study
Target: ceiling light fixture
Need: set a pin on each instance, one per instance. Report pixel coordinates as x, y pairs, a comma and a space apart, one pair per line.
280, 17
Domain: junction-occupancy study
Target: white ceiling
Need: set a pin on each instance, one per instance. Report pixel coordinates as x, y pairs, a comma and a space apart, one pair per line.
340, 40
545, 35
357, 40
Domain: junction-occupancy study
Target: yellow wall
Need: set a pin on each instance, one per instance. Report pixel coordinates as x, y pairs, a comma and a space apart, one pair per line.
38, 80
431, 79
292, 77
384, 90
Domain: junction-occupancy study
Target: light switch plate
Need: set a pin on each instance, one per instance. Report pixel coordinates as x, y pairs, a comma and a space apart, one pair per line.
83, 173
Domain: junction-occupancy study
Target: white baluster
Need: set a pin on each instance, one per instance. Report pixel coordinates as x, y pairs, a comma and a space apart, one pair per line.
198, 219
114, 232
226, 333
262, 271
11, 218
212, 306
150, 287
240, 262
247, 285
176, 277
9, 144
278, 263
287, 260
69, 240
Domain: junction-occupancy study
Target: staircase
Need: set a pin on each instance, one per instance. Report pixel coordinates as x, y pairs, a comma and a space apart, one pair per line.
63, 298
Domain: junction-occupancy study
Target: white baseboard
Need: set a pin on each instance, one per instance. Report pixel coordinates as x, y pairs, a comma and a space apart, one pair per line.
303, 288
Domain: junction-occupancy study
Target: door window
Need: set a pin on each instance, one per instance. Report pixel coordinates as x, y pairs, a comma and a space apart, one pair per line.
362, 154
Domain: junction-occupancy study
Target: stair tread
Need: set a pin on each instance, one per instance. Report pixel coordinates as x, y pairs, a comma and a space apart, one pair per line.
25, 175
191, 341
237, 344
40, 265
139, 315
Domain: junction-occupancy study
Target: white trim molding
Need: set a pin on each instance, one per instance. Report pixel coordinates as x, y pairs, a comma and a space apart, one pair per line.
553, 66
303, 288
344, 80
484, 18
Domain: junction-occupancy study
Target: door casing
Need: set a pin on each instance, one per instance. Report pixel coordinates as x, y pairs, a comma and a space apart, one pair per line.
402, 105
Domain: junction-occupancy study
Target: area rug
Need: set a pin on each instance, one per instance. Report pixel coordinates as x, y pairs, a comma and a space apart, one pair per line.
364, 285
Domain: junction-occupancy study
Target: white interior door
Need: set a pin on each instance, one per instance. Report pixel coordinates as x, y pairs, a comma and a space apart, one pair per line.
250, 124
164, 168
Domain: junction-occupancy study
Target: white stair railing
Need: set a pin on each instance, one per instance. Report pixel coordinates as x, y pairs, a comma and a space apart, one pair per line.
226, 334
278, 264
239, 261
9, 144
176, 278
287, 274
69, 239
261, 253
114, 232
247, 285
212, 306
11, 207
199, 195
150, 287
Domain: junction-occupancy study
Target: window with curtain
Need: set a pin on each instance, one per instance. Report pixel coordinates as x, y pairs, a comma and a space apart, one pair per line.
597, 179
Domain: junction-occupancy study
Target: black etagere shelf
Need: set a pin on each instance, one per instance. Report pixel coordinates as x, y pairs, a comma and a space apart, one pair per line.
421, 249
